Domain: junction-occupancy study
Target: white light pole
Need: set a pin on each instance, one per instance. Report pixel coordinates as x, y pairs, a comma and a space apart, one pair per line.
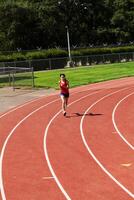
68, 42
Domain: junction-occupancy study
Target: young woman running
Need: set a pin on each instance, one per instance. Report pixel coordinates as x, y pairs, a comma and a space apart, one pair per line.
64, 93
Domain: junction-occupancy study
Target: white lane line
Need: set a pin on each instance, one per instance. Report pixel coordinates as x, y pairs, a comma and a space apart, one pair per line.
9, 136
45, 143
6, 142
47, 178
46, 152
94, 86
126, 164
21, 106
93, 155
114, 123
34, 100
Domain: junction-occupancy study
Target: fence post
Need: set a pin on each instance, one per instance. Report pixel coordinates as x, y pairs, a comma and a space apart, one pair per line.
87, 61
15, 64
33, 84
119, 58
13, 79
29, 63
9, 79
50, 64
4, 66
103, 58
32, 68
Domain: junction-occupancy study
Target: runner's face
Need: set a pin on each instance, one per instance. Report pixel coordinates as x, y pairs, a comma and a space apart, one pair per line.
62, 77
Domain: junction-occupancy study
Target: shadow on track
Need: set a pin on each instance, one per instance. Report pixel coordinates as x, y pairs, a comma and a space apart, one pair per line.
82, 114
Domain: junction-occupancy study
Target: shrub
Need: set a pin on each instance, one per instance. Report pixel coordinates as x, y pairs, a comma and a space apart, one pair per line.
56, 53
35, 55
59, 53
17, 57
4, 58
122, 49
99, 51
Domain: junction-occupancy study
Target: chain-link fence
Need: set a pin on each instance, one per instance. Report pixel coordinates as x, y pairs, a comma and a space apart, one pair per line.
103, 59
59, 63
22, 72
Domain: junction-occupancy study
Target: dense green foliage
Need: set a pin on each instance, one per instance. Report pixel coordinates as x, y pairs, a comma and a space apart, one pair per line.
31, 24
59, 53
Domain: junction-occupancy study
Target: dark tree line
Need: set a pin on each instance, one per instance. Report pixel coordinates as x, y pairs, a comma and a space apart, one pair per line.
31, 24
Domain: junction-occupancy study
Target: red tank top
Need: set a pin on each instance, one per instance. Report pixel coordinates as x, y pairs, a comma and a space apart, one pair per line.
64, 87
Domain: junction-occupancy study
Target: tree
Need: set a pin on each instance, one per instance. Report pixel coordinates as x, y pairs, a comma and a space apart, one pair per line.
27, 24
18, 26
123, 20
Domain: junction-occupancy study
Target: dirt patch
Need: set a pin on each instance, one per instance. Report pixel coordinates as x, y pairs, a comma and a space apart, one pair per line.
10, 98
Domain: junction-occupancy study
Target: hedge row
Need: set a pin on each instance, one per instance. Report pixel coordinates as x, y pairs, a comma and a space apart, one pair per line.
58, 53
32, 55
100, 51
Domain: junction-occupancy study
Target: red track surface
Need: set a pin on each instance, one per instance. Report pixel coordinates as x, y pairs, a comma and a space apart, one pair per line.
83, 156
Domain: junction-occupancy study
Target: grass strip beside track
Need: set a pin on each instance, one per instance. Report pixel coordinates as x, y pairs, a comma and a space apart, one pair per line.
84, 75
77, 76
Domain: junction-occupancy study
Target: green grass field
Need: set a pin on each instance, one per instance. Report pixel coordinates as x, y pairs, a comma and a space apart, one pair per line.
85, 75
76, 76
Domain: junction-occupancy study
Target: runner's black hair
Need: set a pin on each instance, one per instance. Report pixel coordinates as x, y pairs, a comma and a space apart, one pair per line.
62, 75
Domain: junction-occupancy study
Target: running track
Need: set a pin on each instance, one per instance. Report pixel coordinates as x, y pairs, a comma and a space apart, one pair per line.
86, 155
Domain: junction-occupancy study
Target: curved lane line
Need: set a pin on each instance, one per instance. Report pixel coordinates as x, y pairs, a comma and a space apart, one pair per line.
9, 136
92, 154
45, 142
46, 152
6, 141
114, 123
36, 99
25, 104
